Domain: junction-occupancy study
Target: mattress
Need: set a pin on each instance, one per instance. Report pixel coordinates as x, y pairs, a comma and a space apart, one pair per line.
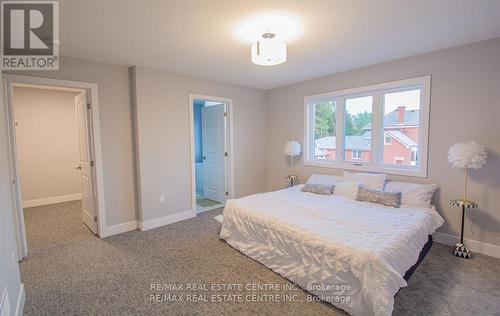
351, 254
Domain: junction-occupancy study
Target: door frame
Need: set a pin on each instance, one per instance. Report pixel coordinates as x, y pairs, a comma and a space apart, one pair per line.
9, 81
229, 164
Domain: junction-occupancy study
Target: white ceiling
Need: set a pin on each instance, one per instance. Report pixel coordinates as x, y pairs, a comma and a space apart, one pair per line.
197, 37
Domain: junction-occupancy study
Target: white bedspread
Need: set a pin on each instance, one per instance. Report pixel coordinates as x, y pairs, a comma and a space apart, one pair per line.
330, 241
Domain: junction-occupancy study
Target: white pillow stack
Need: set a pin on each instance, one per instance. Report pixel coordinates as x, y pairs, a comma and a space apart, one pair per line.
347, 189
413, 194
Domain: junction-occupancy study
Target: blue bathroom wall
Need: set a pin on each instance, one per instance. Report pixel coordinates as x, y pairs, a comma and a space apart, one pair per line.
198, 149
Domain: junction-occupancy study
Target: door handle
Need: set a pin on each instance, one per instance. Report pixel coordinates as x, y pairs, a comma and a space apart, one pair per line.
79, 168
204, 158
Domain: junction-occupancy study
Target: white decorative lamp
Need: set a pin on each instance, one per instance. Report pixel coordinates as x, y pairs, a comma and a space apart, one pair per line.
465, 155
292, 149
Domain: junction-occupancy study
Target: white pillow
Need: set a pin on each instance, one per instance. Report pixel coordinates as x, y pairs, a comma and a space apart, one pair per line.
347, 189
413, 194
371, 181
323, 179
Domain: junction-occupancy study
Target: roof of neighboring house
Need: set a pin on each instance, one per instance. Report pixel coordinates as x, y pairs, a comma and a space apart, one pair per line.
412, 118
318, 152
361, 142
402, 138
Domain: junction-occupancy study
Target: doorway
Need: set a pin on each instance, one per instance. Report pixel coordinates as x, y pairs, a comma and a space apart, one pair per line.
211, 151
54, 152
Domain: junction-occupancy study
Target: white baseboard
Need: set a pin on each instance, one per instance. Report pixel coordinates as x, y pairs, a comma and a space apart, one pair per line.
118, 229
200, 209
146, 225
20, 301
473, 245
52, 200
165, 220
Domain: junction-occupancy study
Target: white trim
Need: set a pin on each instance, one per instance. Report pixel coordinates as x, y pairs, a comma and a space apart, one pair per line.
200, 209
10, 80
230, 135
15, 189
52, 200
165, 220
119, 228
20, 301
399, 140
473, 245
54, 88
376, 165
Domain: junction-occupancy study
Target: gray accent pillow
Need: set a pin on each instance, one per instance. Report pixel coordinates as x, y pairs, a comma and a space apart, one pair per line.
392, 199
318, 188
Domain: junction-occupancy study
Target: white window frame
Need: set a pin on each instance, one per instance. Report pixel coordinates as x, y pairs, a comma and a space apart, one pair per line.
414, 154
385, 139
376, 164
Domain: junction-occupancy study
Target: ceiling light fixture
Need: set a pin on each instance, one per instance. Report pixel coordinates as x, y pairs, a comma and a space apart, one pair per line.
268, 51
269, 34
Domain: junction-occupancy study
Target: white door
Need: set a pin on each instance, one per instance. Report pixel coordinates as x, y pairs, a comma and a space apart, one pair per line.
83, 118
214, 149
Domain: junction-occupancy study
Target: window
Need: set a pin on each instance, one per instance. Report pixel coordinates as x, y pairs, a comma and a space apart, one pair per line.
324, 129
357, 154
357, 117
387, 140
399, 160
402, 122
349, 129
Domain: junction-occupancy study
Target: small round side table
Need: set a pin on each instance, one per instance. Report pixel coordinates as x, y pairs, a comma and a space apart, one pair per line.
459, 250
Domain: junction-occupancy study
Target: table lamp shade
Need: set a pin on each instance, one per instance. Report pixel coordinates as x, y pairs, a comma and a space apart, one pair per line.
467, 155
291, 148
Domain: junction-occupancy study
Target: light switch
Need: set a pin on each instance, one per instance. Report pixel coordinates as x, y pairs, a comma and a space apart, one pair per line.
14, 262
162, 198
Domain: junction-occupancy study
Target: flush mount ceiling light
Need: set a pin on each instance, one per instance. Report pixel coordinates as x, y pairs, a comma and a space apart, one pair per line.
269, 34
268, 50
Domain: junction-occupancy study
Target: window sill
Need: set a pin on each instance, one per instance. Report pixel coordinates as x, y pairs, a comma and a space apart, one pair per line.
410, 172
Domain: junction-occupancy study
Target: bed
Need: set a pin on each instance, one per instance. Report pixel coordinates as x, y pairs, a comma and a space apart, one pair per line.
352, 254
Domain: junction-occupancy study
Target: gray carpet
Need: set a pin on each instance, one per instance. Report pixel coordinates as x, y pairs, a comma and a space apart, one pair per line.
69, 271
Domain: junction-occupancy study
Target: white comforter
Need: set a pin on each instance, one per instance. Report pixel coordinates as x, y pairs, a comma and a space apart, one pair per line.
357, 251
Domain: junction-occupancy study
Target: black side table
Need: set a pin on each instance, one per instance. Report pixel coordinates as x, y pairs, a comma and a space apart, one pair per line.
292, 180
459, 249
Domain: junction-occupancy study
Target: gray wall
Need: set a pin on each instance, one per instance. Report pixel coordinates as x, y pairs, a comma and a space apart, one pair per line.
116, 130
465, 105
47, 143
163, 141
9, 270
